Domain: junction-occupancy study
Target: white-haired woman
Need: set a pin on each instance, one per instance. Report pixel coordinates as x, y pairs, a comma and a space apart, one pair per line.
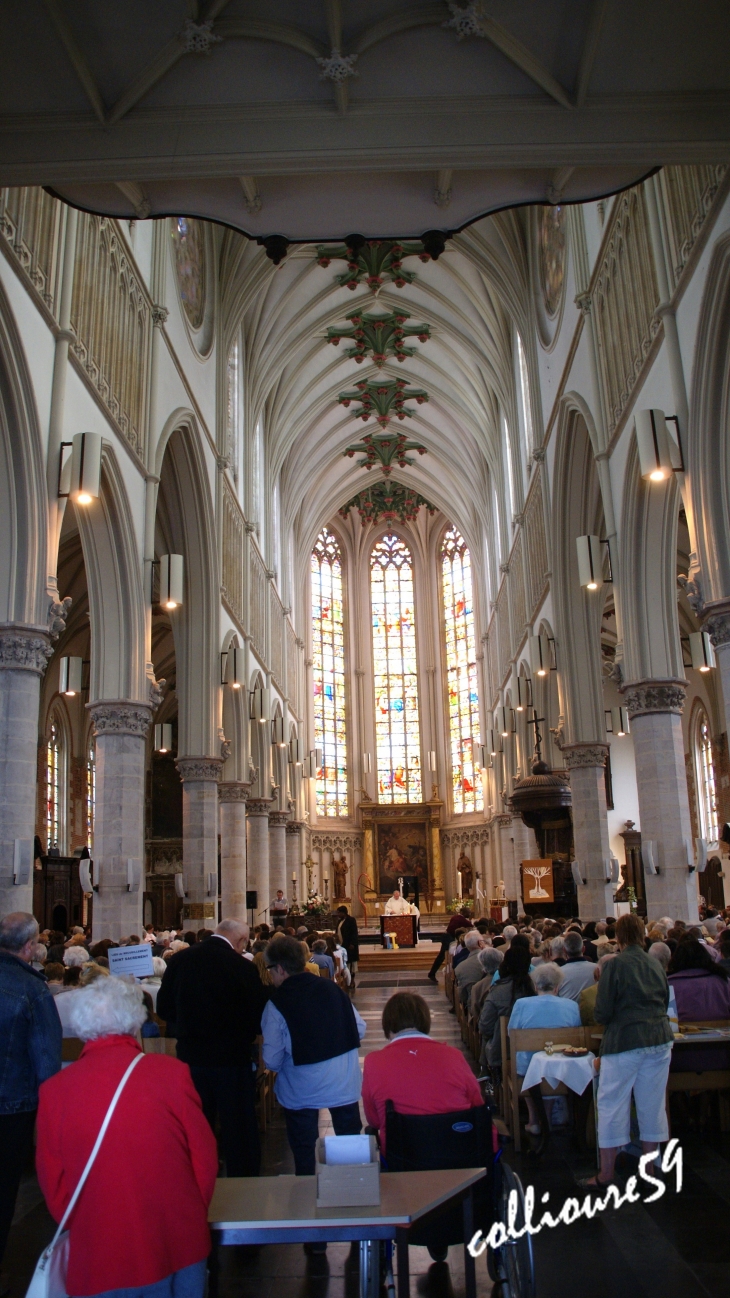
124, 1234
546, 1010
75, 956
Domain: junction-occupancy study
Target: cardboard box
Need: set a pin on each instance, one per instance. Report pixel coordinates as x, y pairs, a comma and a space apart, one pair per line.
347, 1185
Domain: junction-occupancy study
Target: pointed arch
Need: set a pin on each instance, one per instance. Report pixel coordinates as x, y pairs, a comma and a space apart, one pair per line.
395, 671
462, 675
328, 673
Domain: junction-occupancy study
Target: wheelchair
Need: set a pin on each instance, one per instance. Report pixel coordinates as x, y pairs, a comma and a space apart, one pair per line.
433, 1142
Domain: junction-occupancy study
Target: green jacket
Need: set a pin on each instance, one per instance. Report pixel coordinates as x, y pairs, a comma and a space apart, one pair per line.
633, 994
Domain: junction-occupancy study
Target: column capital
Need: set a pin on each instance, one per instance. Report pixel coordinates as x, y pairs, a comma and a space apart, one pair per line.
24, 648
233, 791
258, 807
716, 620
585, 755
279, 818
199, 768
120, 717
294, 826
665, 695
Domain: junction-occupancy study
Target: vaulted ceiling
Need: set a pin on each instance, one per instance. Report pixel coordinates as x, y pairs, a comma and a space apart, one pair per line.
312, 118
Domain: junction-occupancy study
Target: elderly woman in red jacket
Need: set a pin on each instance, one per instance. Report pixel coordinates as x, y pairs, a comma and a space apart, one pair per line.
125, 1236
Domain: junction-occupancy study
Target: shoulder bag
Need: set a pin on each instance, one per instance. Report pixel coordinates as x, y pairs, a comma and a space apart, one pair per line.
49, 1277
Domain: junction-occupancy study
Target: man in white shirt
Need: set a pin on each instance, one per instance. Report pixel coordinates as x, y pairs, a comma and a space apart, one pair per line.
397, 905
279, 906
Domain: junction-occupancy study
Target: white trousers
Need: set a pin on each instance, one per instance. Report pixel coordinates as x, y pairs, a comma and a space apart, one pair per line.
644, 1072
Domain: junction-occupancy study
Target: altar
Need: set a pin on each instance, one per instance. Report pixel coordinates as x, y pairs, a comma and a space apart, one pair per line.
403, 927
402, 841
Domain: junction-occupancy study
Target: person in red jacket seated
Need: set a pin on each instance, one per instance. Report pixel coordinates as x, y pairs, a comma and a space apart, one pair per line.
419, 1075
124, 1233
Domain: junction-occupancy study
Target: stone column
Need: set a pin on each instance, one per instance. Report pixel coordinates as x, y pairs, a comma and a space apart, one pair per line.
508, 857
257, 853
587, 766
655, 710
277, 853
294, 858
120, 731
200, 777
24, 652
232, 797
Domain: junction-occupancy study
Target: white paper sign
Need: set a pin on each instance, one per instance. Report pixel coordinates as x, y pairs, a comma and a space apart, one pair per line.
347, 1149
136, 960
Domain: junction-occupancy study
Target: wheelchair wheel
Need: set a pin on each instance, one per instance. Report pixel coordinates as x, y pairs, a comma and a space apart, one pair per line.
370, 1268
512, 1265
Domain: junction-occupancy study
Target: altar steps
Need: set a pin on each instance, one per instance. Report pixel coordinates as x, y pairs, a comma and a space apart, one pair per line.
420, 958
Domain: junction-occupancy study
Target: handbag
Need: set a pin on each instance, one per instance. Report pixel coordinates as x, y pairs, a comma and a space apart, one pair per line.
49, 1277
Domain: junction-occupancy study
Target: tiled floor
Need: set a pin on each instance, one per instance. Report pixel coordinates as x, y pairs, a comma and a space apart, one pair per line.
678, 1247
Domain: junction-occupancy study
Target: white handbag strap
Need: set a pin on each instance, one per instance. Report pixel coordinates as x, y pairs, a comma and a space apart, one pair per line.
95, 1150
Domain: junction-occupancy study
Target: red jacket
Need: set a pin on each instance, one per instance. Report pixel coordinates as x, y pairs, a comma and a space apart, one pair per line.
420, 1076
142, 1213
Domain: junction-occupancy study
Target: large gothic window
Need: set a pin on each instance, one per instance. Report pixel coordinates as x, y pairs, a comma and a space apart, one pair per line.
461, 672
328, 659
55, 781
706, 791
397, 732
90, 799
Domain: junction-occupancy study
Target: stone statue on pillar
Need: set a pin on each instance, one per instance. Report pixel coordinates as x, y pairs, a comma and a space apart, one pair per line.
464, 868
341, 871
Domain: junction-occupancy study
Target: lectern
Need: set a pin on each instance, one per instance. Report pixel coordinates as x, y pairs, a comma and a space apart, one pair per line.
405, 928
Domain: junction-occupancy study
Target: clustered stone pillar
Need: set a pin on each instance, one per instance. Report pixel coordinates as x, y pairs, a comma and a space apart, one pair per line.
200, 777
294, 863
587, 766
717, 622
508, 857
277, 854
120, 731
257, 853
232, 810
24, 652
655, 710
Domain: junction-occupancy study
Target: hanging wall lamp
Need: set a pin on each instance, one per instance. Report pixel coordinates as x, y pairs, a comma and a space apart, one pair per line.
79, 473
70, 672
277, 733
617, 722
659, 453
702, 651
491, 744
233, 667
590, 561
260, 704
296, 752
504, 720
163, 737
171, 580
432, 760
367, 763
520, 691
539, 650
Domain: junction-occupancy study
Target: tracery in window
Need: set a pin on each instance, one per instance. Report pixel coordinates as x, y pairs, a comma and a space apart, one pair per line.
397, 730
707, 793
90, 798
461, 672
328, 670
54, 785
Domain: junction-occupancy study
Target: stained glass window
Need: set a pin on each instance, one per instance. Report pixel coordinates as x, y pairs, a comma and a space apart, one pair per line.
461, 672
706, 780
328, 669
90, 794
397, 731
54, 783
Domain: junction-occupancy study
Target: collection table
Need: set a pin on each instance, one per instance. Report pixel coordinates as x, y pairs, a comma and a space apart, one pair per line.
576, 1073
283, 1210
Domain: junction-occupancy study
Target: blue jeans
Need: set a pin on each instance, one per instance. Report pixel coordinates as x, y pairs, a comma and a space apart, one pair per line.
188, 1283
302, 1129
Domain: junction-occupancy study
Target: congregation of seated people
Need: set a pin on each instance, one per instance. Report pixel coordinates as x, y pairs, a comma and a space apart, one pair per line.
281, 998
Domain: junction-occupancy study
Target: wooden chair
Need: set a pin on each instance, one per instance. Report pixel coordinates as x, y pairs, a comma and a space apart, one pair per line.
160, 1046
323, 972
529, 1039
712, 1079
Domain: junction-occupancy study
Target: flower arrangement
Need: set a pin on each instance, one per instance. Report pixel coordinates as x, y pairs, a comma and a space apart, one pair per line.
631, 897
459, 903
315, 904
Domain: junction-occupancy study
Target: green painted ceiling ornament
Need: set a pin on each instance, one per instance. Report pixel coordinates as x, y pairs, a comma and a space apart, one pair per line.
373, 261
388, 500
385, 449
379, 336
384, 398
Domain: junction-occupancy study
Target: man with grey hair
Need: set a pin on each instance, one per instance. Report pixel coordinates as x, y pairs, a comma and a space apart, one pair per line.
577, 971
469, 970
214, 998
661, 952
30, 1051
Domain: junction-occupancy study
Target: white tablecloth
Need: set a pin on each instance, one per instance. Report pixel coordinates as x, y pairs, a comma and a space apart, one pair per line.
575, 1073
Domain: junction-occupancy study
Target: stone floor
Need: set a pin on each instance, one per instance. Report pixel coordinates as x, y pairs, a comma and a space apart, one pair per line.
678, 1247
